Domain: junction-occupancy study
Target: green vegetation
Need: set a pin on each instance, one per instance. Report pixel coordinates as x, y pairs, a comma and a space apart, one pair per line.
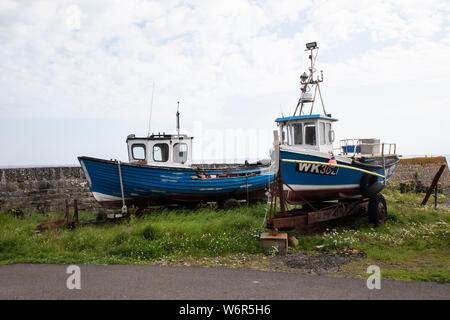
412, 245
161, 234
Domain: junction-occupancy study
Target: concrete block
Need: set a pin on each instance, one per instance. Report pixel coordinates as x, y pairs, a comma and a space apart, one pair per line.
277, 242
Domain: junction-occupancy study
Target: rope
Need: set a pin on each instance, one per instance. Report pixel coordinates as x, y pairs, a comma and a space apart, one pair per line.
124, 207
268, 199
246, 182
334, 165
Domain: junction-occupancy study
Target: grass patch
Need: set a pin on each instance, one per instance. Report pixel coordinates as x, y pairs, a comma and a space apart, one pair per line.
414, 244
162, 234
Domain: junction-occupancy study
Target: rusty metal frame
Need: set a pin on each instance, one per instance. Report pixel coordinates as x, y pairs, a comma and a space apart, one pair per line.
74, 222
296, 218
66, 222
317, 212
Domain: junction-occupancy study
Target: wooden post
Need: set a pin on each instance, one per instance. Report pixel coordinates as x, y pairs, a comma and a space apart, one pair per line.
272, 200
67, 211
280, 189
279, 178
75, 215
435, 196
433, 185
280, 186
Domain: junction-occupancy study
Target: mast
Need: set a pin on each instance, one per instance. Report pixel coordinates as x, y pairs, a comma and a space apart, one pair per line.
308, 83
151, 108
178, 118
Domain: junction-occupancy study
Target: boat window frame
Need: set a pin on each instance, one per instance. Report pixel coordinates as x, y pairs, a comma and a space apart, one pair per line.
168, 152
299, 131
134, 145
185, 156
322, 133
286, 137
328, 129
310, 124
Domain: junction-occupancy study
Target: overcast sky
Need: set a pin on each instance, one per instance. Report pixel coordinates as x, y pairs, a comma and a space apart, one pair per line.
76, 77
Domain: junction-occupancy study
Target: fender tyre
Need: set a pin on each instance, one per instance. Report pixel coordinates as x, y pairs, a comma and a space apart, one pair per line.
377, 210
229, 204
370, 186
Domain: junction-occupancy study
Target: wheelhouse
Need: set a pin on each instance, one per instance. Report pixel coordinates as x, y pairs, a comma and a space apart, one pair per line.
308, 131
160, 150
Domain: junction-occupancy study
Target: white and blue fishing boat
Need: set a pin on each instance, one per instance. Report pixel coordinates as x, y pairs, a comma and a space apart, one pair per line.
311, 169
160, 171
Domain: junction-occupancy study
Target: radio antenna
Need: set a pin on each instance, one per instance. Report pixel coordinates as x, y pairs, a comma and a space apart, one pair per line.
178, 118
151, 108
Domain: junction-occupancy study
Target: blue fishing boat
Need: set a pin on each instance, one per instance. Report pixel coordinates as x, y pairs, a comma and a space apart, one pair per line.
322, 183
160, 171
311, 169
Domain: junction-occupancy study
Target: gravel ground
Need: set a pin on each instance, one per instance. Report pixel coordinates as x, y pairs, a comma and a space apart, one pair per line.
292, 262
319, 263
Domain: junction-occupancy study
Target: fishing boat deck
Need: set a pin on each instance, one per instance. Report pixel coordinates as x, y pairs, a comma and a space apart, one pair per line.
228, 166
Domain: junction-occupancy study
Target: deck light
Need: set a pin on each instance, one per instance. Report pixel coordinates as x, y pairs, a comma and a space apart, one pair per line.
311, 45
304, 77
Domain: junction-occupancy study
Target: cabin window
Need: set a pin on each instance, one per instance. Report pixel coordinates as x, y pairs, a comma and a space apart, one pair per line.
328, 132
310, 133
286, 137
180, 152
298, 134
322, 133
138, 151
161, 152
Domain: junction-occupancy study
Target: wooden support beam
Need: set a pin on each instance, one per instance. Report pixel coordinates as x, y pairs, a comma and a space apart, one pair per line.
314, 98
295, 111
321, 100
433, 185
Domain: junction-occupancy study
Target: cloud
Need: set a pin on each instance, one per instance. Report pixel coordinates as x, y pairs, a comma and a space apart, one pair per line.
227, 61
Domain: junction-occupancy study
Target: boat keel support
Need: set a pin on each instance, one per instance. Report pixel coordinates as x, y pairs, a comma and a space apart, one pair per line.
296, 218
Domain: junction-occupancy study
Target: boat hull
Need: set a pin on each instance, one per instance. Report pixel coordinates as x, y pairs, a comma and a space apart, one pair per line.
150, 185
309, 182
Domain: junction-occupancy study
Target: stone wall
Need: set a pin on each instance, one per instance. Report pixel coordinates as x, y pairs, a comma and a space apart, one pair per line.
421, 169
44, 190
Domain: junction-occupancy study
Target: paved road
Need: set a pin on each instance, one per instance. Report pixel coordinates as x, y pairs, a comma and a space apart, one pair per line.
158, 282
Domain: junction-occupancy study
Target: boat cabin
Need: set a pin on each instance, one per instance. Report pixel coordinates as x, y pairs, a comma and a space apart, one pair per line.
160, 150
313, 132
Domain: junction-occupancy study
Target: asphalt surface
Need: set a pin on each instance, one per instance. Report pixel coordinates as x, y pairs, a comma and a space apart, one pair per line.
161, 282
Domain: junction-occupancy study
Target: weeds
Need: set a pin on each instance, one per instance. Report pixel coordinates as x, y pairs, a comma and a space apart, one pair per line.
202, 233
414, 244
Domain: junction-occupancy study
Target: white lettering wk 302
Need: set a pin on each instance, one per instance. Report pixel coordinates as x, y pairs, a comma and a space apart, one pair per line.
317, 169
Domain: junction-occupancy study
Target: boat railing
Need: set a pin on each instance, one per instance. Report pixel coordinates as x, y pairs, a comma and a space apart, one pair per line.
372, 147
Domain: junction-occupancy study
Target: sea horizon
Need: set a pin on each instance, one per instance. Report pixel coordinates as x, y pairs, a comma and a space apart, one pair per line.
240, 160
